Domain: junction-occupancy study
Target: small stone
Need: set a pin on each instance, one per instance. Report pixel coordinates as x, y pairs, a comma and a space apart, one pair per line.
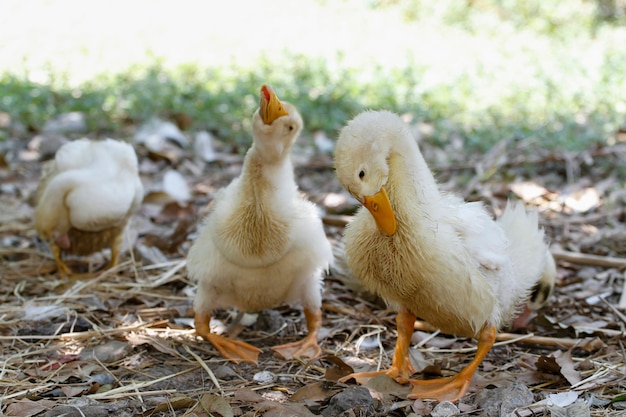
108, 352
102, 379
264, 377
355, 398
501, 402
269, 321
276, 396
8, 188
225, 373
445, 409
72, 122
516, 396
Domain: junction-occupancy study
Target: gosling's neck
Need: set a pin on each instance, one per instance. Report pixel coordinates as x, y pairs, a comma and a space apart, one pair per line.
263, 177
409, 173
51, 212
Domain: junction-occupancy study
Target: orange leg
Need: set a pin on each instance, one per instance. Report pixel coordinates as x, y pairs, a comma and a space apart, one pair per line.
116, 247
308, 346
401, 368
62, 268
233, 350
453, 388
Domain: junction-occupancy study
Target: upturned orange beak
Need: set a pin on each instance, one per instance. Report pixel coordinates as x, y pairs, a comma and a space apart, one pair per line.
270, 106
380, 207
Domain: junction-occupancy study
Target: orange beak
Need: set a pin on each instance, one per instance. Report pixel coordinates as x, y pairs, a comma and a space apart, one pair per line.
380, 207
270, 106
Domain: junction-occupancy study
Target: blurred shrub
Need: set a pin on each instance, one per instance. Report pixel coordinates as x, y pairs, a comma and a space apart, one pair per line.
549, 17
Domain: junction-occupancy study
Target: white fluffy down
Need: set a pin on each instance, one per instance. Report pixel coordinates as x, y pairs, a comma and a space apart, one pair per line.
262, 244
449, 262
95, 185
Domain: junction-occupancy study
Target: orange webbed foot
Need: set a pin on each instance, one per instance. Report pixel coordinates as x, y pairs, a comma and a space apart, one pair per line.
453, 388
401, 368
399, 374
440, 389
234, 350
306, 348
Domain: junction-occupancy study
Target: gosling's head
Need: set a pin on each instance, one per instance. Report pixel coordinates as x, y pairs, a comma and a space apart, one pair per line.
361, 162
275, 126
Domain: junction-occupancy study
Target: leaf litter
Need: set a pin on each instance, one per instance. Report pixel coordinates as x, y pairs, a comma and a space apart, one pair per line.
120, 342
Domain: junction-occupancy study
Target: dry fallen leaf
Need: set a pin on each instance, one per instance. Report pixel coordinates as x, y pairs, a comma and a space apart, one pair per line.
317, 391
211, 406
583, 200
75, 390
269, 408
27, 408
528, 191
433, 371
593, 344
547, 364
247, 395
386, 389
174, 403
559, 363
159, 343
564, 359
562, 399
274, 409
173, 211
338, 370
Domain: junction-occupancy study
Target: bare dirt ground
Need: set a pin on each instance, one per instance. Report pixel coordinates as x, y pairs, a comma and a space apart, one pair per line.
121, 343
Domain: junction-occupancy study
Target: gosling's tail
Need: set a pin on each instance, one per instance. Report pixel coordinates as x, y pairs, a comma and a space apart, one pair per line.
544, 288
531, 258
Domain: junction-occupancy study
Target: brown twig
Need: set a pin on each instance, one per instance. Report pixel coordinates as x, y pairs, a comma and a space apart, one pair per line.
336, 220
565, 343
588, 259
560, 342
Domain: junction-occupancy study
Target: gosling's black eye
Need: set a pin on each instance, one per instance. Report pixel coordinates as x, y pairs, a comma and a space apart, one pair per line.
361, 174
290, 127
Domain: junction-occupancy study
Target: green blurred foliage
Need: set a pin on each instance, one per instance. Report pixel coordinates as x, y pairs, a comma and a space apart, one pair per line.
223, 100
554, 18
